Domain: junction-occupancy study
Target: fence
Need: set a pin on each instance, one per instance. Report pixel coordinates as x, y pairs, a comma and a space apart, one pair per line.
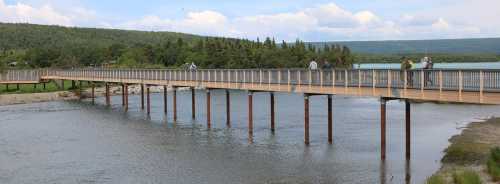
458, 80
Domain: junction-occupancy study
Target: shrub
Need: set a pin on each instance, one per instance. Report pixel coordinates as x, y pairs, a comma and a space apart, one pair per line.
435, 179
494, 164
466, 177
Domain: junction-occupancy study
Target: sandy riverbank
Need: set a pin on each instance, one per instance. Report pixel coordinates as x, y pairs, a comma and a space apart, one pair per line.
470, 150
11, 99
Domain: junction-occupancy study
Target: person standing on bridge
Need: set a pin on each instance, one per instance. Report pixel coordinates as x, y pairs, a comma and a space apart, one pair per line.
406, 66
193, 67
313, 65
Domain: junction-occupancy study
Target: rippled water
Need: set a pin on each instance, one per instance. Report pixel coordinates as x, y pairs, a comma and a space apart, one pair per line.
77, 142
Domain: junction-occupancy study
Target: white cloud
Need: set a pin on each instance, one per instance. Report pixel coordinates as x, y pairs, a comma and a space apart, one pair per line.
23, 13
316, 23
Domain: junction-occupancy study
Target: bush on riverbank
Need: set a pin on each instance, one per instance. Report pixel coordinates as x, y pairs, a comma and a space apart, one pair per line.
494, 164
435, 179
466, 177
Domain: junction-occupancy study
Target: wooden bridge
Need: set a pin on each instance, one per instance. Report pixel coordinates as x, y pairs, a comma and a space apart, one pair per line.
457, 86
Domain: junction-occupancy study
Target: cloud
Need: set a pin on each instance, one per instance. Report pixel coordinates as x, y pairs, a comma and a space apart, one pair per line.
23, 13
319, 22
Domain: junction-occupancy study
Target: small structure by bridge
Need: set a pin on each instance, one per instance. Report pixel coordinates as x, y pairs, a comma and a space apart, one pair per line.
456, 86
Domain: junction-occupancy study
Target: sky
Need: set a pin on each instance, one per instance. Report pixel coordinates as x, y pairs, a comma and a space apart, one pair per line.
308, 20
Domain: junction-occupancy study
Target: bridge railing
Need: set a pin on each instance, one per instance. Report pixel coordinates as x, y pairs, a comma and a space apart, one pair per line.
449, 79
20, 75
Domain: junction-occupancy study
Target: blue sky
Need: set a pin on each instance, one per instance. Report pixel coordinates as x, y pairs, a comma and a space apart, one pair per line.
313, 20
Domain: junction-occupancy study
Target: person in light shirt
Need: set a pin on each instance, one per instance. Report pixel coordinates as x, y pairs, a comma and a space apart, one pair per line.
313, 65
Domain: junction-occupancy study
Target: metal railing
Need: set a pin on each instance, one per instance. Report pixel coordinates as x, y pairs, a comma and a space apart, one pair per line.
449, 79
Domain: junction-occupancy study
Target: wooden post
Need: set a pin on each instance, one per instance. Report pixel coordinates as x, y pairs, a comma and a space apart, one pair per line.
228, 108
209, 112
93, 92
62, 84
193, 103
383, 106
142, 96
273, 119
17, 87
165, 100
148, 100
250, 113
306, 119
174, 95
80, 88
330, 119
44, 86
408, 128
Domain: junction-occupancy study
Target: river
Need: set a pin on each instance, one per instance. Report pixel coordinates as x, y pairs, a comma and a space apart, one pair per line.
78, 142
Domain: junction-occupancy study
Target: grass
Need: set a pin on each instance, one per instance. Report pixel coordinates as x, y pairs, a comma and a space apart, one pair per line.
435, 179
464, 152
30, 88
466, 177
493, 164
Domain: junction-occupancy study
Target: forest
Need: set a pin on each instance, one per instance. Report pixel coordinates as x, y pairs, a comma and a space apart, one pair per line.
37, 46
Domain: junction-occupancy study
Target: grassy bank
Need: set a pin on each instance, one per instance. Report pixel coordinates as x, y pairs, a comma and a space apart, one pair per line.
472, 156
30, 88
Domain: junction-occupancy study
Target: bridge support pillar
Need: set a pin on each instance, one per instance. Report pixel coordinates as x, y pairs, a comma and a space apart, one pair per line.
93, 92
250, 113
123, 95
62, 84
193, 103
125, 90
228, 108
330, 119
34, 86
408, 129
306, 119
209, 106
165, 100
108, 99
44, 86
383, 108
142, 96
80, 89
73, 84
148, 99
7, 86
17, 87
273, 119
174, 95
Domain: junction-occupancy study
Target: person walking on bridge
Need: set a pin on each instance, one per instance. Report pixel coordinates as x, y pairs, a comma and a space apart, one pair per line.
313, 65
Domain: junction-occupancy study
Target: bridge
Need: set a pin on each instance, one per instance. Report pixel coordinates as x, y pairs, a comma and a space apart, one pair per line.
449, 86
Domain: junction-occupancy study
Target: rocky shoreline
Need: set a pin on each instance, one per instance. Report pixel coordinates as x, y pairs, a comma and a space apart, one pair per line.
12, 99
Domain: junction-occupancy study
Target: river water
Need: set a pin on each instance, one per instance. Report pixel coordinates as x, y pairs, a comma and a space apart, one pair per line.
78, 142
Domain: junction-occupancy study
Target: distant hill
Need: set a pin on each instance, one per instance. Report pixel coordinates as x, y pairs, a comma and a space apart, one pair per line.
27, 36
452, 46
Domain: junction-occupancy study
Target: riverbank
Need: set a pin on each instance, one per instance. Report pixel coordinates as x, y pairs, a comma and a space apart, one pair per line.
470, 151
24, 98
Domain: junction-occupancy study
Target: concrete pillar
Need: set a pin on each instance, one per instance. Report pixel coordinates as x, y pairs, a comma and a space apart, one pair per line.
306, 119
93, 92
383, 108
273, 118
330, 119
123, 95
408, 129
125, 90
209, 106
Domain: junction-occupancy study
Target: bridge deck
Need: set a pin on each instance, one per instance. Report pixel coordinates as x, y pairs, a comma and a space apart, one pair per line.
467, 86
413, 94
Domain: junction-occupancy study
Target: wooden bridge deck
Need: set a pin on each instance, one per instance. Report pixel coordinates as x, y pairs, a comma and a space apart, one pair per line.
412, 94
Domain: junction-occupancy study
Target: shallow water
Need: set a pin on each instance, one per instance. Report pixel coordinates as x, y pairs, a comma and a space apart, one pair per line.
77, 142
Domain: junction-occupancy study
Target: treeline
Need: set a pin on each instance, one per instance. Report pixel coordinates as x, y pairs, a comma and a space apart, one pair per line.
436, 57
204, 52
38, 46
